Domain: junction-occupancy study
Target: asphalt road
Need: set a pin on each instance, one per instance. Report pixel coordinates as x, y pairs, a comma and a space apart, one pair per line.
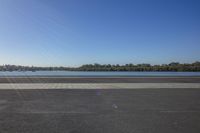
100, 111
99, 79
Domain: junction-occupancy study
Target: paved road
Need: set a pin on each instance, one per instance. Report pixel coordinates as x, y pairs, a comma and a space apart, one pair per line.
99, 79
100, 111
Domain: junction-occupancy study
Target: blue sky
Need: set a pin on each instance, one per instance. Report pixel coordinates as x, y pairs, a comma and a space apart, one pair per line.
76, 32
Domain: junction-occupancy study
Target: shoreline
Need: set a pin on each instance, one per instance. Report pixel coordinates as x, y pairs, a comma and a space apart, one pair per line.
34, 79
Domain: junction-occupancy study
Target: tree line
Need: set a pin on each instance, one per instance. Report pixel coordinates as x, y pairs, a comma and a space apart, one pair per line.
174, 66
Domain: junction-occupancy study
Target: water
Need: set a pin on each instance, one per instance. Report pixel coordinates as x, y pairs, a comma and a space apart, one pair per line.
96, 74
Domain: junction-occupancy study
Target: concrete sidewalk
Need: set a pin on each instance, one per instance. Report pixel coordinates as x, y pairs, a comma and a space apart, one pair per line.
97, 85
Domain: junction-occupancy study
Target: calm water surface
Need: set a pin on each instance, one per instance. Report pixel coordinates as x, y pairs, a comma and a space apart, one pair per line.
96, 74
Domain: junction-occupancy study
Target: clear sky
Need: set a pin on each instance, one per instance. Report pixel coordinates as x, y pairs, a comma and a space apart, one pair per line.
75, 32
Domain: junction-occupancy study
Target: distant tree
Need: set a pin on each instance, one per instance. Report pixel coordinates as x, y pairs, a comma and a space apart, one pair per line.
174, 63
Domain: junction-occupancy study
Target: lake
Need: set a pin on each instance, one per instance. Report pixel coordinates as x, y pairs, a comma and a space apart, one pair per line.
95, 74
